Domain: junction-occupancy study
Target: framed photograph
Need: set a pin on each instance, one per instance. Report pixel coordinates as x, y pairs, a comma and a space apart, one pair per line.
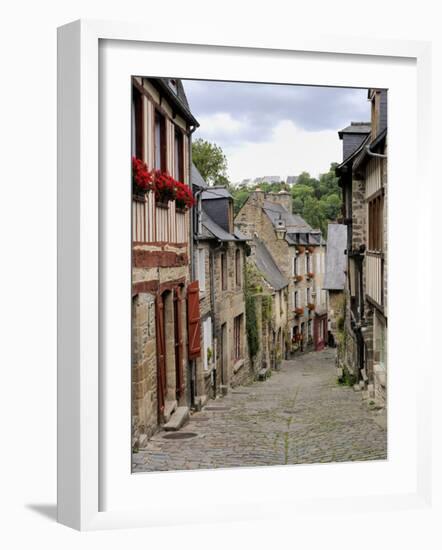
233, 258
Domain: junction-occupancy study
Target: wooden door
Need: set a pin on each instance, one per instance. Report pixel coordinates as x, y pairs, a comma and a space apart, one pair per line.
161, 356
177, 315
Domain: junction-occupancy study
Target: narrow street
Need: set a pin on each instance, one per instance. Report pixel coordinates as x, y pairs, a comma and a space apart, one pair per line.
299, 415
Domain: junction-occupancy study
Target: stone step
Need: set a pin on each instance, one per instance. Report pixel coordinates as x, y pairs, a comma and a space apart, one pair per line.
177, 420
169, 408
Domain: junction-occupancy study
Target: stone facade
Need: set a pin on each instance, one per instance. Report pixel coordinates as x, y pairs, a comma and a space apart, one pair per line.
255, 218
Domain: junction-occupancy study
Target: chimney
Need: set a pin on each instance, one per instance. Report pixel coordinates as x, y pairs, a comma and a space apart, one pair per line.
284, 198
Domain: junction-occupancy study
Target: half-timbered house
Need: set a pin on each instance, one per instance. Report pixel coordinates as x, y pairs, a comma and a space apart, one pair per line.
165, 307
363, 178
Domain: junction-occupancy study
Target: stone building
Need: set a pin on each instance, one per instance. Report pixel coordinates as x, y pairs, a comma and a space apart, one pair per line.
162, 336
334, 280
363, 178
268, 288
299, 252
219, 258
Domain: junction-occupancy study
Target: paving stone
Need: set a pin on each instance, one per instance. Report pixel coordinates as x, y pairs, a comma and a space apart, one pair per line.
325, 422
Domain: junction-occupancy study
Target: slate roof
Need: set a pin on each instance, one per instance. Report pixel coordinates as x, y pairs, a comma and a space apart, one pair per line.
293, 222
356, 128
335, 259
196, 178
267, 266
214, 192
178, 98
211, 230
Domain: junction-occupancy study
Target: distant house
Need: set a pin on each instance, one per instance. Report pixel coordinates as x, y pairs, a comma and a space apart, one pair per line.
270, 287
292, 180
219, 260
335, 278
299, 251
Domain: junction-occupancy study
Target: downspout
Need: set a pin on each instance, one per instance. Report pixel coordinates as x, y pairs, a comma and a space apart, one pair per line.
191, 379
212, 308
370, 152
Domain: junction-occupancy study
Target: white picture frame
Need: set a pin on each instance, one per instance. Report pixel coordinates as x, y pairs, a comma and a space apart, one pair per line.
82, 446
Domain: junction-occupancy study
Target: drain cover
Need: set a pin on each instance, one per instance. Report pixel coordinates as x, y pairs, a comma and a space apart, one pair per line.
217, 408
180, 435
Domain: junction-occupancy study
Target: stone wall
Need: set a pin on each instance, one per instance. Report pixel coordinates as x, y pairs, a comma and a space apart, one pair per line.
144, 396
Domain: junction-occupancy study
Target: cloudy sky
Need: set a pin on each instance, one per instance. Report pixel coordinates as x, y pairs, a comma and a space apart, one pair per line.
272, 129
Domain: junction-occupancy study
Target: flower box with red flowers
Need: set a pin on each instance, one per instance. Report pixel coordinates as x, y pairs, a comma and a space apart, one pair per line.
311, 307
297, 278
300, 248
310, 275
165, 187
298, 311
142, 178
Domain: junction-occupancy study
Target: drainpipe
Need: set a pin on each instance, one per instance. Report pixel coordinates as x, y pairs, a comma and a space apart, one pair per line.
370, 152
212, 308
191, 379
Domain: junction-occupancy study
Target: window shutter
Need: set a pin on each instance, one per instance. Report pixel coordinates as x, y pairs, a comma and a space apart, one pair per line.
193, 319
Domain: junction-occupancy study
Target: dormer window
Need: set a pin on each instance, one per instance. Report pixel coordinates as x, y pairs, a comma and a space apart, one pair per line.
173, 85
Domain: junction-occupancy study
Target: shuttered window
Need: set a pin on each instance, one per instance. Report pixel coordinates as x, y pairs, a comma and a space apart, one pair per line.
194, 321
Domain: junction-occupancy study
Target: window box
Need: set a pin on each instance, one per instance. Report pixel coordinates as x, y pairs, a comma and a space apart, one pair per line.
310, 275
297, 278
298, 311
300, 248
311, 307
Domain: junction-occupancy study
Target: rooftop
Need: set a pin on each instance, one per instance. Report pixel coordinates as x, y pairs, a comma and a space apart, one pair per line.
267, 266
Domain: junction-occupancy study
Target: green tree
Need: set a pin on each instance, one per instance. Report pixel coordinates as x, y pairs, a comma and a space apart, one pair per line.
210, 161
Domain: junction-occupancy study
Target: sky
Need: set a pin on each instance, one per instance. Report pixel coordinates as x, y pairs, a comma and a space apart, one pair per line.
274, 129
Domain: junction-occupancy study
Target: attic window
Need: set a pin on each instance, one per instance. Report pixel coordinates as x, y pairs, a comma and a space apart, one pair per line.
173, 85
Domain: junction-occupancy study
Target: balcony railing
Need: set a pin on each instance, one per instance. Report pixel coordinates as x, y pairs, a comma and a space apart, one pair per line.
153, 222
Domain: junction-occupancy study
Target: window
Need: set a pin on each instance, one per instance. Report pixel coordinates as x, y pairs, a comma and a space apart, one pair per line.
295, 266
295, 299
223, 260
137, 124
309, 295
208, 358
237, 339
201, 266
310, 329
375, 223
179, 156
308, 263
238, 271
160, 141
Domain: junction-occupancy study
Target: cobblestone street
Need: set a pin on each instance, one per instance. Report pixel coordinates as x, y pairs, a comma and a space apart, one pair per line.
299, 415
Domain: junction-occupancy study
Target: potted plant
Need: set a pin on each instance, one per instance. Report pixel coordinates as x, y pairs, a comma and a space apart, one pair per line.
209, 355
298, 311
298, 278
300, 248
311, 307
310, 275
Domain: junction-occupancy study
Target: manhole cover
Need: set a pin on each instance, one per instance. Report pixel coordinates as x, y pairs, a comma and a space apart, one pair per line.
180, 435
217, 408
